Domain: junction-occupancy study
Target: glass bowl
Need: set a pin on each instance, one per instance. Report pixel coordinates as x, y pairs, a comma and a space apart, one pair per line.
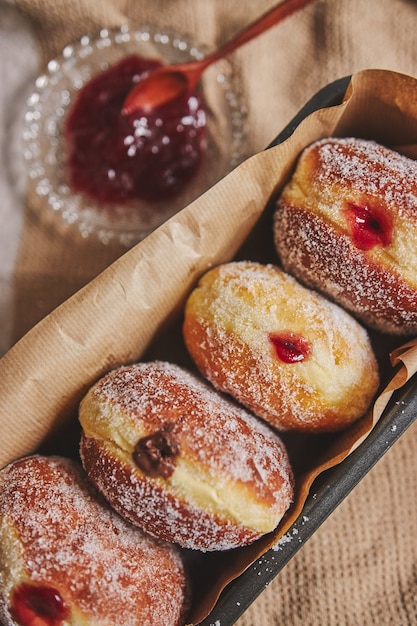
51, 194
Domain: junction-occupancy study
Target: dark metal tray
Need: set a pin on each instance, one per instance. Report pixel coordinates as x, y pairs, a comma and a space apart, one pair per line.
331, 487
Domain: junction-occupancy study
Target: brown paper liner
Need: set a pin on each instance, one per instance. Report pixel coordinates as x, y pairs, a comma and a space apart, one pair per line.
132, 310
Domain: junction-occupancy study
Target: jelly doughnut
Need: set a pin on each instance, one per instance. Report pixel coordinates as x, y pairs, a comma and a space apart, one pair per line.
68, 559
285, 352
346, 224
175, 457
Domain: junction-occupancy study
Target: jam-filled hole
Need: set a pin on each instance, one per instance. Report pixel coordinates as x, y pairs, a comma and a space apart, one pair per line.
369, 225
290, 347
38, 605
155, 454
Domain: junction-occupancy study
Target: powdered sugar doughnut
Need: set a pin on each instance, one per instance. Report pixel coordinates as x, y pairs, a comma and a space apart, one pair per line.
67, 558
175, 457
285, 352
346, 224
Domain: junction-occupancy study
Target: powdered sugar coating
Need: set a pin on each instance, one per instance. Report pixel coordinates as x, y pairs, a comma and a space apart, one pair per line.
232, 480
229, 318
56, 531
312, 234
369, 168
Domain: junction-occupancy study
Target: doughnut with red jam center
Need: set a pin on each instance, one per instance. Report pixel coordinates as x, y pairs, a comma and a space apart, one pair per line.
285, 352
67, 558
346, 224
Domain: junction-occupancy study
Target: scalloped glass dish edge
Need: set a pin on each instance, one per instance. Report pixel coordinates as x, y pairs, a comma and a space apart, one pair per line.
51, 197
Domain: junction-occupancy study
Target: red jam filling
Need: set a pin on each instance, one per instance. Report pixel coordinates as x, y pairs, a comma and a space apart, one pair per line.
38, 605
370, 226
117, 158
290, 347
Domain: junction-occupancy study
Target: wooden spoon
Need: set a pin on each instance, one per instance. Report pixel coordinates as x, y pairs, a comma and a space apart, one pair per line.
170, 81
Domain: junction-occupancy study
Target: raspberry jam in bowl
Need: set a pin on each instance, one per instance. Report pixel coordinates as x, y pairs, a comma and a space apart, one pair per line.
96, 172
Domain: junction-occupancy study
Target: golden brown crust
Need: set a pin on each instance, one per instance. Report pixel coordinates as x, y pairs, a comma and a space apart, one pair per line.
346, 224
58, 534
241, 313
215, 479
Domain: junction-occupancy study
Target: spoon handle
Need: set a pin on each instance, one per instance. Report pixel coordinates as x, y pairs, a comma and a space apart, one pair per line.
263, 23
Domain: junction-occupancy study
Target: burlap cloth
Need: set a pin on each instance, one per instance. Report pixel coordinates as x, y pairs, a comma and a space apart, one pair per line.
360, 568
